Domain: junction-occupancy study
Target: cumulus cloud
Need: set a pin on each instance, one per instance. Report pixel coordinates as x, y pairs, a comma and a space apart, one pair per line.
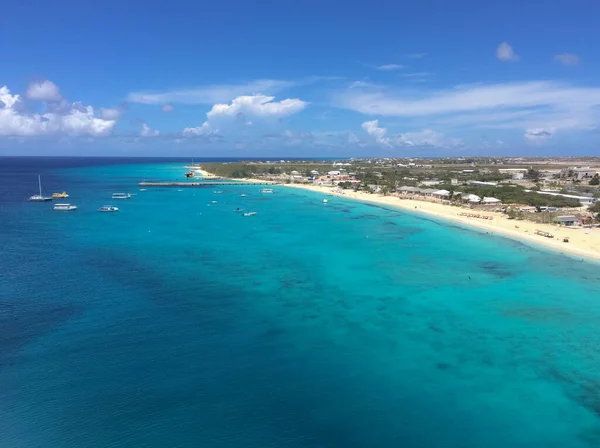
372, 128
567, 58
258, 105
537, 135
59, 119
44, 91
145, 131
110, 114
389, 67
166, 108
243, 109
205, 129
505, 53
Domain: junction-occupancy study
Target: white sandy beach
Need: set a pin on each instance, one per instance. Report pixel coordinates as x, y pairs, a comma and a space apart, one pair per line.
581, 244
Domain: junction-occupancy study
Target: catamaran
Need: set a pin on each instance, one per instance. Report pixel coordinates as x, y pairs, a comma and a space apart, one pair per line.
39, 197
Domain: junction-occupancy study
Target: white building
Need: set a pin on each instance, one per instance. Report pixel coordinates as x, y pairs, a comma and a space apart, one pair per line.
583, 200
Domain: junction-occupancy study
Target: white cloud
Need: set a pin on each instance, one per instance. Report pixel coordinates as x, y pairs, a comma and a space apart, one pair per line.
521, 105
537, 135
358, 84
243, 109
65, 119
210, 94
205, 129
44, 91
389, 67
426, 137
166, 108
258, 105
145, 131
567, 58
110, 114
505, 53
372, 128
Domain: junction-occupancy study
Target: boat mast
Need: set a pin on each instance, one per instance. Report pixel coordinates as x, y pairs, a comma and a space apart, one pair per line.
40, 183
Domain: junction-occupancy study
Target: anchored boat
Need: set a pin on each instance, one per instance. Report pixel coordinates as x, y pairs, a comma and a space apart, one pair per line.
65, 207
121, 196
39, 197
108, 208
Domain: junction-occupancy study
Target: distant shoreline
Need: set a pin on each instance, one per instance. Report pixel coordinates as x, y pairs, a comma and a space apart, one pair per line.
580, 245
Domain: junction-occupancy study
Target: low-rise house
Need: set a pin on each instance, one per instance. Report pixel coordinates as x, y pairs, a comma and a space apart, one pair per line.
408, 190
583, 200
486, 184
441, 193
426, 191
490, 200
567, 221
430, 183
584, 173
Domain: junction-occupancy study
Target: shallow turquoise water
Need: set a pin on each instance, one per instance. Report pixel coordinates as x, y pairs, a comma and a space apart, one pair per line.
177, 322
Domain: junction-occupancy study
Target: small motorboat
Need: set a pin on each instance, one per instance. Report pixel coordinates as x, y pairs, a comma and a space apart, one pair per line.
325, 201
238, 210
121, 196
65, 207
243, 195
60, 195
179, 189
266, 190
217, 192
250, 214
142, 189
108, 208
213, 202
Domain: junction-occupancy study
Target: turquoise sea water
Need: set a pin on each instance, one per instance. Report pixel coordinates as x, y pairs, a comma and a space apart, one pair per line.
179, 323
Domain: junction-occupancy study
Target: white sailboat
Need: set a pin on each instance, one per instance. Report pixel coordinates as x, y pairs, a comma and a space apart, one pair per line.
39, 197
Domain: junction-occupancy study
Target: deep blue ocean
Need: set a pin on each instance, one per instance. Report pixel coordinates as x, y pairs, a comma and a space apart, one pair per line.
179, 323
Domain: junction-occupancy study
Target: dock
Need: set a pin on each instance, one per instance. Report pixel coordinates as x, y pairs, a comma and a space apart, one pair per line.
201, 184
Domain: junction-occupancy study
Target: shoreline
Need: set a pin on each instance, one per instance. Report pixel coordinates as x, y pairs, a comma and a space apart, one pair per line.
580, 245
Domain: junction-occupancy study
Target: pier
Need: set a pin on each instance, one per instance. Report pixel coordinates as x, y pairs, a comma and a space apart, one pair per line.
201, 184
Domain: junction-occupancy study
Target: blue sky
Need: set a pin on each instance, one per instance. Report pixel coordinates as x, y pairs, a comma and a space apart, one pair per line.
299, 78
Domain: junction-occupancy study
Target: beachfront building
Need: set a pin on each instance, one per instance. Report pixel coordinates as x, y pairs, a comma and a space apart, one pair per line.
426, 191
490, 200
473, 199
583, 200
567, 221
442, 194
408, 190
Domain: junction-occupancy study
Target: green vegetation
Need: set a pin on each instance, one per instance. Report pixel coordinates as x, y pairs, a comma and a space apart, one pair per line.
388, 176
595, 180
595, 208
518, 195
